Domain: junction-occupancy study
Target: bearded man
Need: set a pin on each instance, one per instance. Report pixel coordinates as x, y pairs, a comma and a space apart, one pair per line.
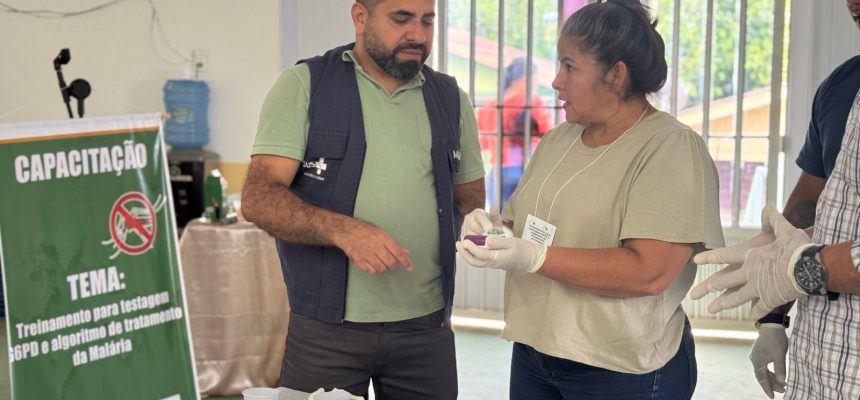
364, 161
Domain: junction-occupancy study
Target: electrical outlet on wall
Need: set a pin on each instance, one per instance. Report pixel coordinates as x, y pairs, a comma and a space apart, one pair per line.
200, 61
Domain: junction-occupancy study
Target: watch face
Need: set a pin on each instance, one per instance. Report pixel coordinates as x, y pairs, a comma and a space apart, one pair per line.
808, 274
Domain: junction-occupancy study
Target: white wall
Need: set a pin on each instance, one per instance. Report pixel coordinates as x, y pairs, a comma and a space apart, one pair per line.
312, 27
822, 37
112, 49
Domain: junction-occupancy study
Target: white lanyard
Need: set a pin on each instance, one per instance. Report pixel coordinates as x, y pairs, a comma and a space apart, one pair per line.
552, 204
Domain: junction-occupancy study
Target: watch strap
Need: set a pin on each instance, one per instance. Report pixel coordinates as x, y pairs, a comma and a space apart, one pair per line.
774, 318
812, 251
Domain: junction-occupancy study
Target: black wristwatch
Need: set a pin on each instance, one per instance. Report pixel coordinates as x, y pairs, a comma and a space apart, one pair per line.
774, 318
810, 273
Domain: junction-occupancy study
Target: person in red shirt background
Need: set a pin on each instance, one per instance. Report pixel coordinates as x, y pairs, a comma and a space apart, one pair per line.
513, 124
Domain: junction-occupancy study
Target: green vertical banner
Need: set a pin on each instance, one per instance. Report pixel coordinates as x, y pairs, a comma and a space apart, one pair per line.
94, 294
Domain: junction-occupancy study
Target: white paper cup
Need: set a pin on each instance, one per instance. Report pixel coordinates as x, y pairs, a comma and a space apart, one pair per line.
260, 394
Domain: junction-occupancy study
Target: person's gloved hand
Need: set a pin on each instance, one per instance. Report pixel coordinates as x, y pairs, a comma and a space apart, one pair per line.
761, 269
334, 393
508, 253
478, 222
771, 346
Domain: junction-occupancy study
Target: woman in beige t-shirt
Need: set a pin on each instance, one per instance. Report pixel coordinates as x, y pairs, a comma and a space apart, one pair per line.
605, 218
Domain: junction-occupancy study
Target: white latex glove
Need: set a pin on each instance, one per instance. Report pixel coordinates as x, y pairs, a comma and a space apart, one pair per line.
760, 271
771, 346
478, 222
334, 394
507, 253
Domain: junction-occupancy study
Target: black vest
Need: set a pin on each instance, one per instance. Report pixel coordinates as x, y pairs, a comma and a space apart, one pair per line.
329, 175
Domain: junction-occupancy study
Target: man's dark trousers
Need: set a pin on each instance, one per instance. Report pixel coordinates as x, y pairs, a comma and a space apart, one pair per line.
410, 359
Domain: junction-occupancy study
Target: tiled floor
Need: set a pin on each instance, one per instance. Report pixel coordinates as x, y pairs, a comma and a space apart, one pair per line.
483, 361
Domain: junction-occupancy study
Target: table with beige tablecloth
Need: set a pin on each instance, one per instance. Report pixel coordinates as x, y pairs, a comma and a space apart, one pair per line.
237, 306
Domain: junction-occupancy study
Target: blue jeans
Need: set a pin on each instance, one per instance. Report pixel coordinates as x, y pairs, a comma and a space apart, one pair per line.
537, 376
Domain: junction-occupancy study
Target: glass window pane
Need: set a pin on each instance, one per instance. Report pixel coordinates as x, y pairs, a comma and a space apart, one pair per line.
486, 69
758, 67
543, 106
664, 10
458, 45
691, 68
723, 153
754, 156
756, 117
723, 65
784, 89
546, 30
570, 7
503, 146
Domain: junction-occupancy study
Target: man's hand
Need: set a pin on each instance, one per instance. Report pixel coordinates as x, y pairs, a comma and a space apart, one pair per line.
771, 346
760, 271
372, 249
507, 253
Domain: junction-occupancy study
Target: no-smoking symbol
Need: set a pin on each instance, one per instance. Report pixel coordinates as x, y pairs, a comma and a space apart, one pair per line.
133, 223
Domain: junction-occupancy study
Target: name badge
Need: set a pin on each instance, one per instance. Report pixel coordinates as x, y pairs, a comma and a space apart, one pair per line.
538, 231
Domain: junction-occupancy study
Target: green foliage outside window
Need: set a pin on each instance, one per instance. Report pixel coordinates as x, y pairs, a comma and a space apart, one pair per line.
759, 39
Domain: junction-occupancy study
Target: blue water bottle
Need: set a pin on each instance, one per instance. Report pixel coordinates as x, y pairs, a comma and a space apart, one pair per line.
187, 101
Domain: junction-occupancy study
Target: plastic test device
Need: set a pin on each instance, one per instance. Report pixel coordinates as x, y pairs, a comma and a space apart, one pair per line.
480, 240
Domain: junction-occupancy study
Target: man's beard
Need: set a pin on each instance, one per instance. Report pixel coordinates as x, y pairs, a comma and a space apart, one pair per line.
387, 60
